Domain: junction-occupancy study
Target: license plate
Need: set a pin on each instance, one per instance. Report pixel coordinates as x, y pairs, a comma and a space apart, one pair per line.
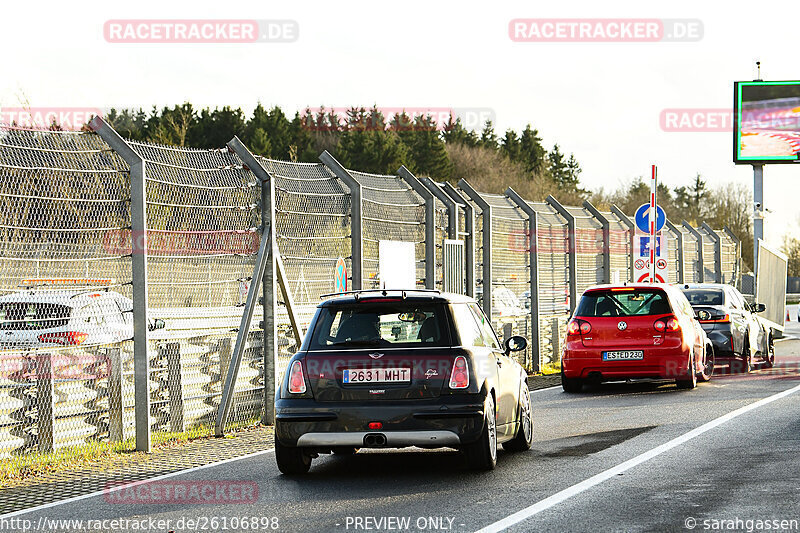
376, 375
623, 355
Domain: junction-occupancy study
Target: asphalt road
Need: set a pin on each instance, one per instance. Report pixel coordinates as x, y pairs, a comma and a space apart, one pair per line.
625, 457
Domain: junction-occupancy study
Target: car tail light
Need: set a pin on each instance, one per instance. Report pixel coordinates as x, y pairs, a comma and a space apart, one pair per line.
297, 383
578, 327
724, 319
375, 425
459, 377
64, 337
668, 323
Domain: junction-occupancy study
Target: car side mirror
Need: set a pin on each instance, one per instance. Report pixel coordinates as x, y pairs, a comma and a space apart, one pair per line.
157, 323
758, 308
515, 343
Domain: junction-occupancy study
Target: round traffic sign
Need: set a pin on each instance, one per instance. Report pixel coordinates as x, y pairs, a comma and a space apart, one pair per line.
640, 264
642, 218
661, 263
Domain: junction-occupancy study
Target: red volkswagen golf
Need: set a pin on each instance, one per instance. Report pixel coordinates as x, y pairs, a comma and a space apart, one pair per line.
635, 331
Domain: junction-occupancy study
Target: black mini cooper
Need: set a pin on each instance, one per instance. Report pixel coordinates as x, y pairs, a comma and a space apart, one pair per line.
391, 369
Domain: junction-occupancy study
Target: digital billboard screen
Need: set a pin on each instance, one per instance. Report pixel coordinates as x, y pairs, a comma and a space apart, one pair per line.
766, 122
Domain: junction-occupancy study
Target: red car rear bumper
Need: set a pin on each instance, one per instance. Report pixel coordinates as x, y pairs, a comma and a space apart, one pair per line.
658, 362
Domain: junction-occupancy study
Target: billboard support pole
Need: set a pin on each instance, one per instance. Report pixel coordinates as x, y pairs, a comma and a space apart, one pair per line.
758, 210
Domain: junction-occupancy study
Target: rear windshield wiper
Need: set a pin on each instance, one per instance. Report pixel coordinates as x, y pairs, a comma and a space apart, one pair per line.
363, 342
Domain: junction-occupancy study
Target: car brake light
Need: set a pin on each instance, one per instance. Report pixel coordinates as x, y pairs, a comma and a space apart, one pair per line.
64, 337
297, 383
375, 425
576, 327
667, 324
573, 328
724, 319
459, 377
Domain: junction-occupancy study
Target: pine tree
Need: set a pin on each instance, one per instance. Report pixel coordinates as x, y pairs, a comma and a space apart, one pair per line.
488, 137
531, 152
511, 146
456, 133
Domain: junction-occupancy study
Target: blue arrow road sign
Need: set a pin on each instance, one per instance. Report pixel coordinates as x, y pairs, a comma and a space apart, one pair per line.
642, 218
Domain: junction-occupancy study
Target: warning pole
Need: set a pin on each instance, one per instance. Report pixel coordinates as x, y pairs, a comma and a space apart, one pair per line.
653, 243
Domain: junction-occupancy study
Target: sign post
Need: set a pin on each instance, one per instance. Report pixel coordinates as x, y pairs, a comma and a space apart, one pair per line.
653, 245
649, 248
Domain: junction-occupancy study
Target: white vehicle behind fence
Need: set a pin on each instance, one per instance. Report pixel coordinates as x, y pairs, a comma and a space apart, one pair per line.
59, 312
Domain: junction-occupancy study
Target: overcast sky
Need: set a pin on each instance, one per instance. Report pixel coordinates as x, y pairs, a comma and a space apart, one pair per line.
601, 101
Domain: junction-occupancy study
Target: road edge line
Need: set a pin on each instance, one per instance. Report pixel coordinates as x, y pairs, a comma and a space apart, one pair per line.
610, 473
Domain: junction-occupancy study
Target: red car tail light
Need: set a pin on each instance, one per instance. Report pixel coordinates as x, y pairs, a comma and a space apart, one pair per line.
64, 337
297, 382
459, 376
668, 323
578, 327
375, 425
573, 328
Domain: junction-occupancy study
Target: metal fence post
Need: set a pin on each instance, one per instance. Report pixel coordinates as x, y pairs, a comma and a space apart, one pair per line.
701, 264
450, 204
606, 239
717, 251
172, 352
430, 224
736, 262
265, 275
679, 253
115, 407
469, 238
631, 227
141, 361
45, 397
356, 216
486, 216
533, 262
573, 259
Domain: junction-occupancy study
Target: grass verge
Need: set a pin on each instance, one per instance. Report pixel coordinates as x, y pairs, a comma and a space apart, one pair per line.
28, 465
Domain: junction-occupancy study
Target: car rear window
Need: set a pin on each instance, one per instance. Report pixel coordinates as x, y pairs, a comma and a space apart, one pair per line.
400, 324
32, 316
623, 302
704, 296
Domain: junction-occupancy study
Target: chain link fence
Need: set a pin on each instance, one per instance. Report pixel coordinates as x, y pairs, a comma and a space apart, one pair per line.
64, 349
68, 246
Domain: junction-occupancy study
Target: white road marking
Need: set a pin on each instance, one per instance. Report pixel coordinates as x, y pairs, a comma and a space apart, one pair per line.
548, 388
131, 484
585, 485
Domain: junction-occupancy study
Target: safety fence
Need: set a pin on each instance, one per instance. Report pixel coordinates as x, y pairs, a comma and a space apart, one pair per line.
92, 226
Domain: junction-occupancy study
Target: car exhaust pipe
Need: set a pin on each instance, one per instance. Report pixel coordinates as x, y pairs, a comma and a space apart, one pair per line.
374, 440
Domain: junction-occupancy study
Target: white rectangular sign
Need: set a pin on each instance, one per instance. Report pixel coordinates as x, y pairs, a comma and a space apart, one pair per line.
641, 258
397, 268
